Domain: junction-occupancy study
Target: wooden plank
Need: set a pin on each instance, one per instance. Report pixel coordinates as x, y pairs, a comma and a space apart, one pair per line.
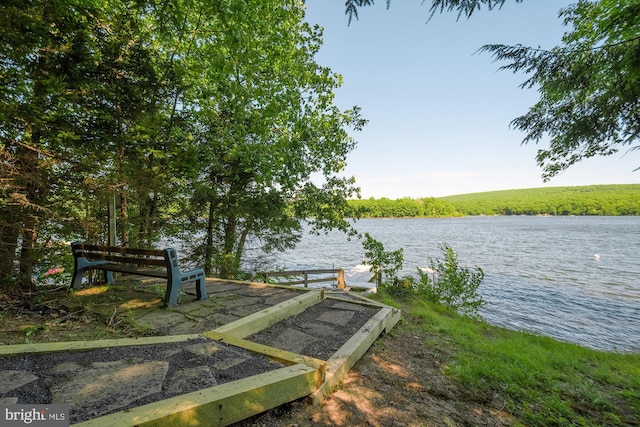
256, 322
363, 301
129, 269
300, 272
272, 352
53, 347
351, 351
120, 250
126, 259
302, 282
220, 405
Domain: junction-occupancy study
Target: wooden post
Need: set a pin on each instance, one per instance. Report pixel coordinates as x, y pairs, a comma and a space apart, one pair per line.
306, 279
112, 219
341, 283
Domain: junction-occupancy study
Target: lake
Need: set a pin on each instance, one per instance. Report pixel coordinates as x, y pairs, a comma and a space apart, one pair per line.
576, 279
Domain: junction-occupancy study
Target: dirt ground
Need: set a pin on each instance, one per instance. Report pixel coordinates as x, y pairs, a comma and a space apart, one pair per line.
400, 381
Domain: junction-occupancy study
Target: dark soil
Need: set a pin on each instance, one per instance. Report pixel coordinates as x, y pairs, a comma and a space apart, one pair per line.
37, 392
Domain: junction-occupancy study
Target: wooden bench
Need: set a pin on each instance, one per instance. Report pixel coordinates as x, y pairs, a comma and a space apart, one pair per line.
142, 262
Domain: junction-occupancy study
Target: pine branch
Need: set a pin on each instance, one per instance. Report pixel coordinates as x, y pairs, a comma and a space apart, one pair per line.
464, 7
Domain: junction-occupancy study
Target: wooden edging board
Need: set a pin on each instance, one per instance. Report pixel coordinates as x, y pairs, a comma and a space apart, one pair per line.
237, 400
52, 347
272, 352
258, 284
220, 405
256, 322
360, 300
351, 351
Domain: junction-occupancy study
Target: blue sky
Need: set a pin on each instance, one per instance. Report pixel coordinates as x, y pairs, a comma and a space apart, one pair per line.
438, 110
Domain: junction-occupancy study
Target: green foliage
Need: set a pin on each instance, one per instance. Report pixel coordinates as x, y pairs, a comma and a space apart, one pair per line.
180, 112
537, 380
589, 85
620, 199
611, 200
385, 264
463, 7
448, 283
399, 208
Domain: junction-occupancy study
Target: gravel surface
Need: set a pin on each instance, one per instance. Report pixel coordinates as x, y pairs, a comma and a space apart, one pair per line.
57, 369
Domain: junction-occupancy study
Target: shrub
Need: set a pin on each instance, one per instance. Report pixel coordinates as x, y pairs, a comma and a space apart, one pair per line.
383, 263
450, 284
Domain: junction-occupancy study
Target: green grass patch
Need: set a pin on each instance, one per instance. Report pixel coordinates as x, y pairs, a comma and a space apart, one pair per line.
543, 382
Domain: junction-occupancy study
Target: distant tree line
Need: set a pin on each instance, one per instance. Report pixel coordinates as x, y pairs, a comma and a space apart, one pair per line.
608, 200
400, 208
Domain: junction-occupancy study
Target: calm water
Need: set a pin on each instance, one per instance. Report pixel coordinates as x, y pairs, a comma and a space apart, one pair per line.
576, 279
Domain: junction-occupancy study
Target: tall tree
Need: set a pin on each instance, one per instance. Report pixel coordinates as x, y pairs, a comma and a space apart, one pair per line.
218, 108
44, 48
265, 126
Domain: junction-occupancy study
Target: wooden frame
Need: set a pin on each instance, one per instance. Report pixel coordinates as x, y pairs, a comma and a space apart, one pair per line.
231, 402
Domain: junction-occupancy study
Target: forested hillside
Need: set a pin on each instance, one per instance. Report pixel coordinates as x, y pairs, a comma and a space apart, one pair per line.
619, 199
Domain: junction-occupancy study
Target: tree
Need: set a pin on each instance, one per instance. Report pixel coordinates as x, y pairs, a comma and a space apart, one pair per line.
45, 48
266, 130
181, 111
589, 85
464, 7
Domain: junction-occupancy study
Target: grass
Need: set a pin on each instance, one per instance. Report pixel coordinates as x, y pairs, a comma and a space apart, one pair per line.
542, 382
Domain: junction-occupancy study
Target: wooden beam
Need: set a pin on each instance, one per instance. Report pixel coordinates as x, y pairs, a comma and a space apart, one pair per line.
254, 284
53, 347
351, 351
363, 301
308, 281
263, 319
220, 405
272, 352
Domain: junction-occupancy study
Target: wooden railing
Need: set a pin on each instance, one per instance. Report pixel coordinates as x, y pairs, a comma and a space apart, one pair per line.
336, 277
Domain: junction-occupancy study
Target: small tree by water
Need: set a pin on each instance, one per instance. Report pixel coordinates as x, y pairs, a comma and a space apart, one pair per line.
384, 264
451, 284
445, 281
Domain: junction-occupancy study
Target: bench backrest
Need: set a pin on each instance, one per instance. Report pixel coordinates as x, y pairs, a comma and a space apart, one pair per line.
120, 255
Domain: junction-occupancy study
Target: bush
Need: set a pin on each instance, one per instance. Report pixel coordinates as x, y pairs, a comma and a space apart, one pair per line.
450, 284
382, 262
444, 282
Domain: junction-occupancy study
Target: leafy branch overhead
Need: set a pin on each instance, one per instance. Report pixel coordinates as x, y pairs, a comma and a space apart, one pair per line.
589, 84
463, 7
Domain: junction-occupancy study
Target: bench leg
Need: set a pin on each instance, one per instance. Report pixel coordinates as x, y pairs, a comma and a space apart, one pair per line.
200, 289
171, 294
108, 277
76, 280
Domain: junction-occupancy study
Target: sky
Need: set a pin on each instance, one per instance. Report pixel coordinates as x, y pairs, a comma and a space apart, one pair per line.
439, 110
